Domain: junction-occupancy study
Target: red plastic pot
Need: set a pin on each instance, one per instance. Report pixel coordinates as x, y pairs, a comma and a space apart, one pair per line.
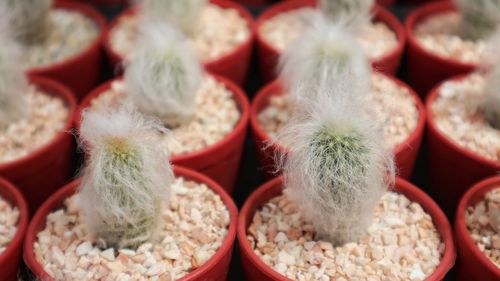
10, 258
386, 2
256, 270
233, 65
425, 68
40, 173
452, 168
406, 152
216, 268
472, 263
220, 161
269, 56
81, 72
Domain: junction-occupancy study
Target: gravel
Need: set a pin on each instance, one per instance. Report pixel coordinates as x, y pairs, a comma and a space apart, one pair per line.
401, 244
483, 224
388, 103
456, 113
220, 32
71, 33
376, 38
46, 118
216, 116
440, 34
9, 217
195, 223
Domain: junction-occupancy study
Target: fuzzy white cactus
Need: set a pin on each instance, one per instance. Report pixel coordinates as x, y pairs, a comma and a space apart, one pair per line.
184, 14
326, 52
336, 168
27, 20
490, 106
127, 178
353, 12
480, 18
164, 75
13, 83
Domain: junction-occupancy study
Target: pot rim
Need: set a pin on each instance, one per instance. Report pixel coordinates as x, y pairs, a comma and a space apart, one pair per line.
425, 11
22, 224
381, 14
89, 12
240, 128
439, 220
56, 89
470, 198
276, 88
230, 56
69, 189
442, 137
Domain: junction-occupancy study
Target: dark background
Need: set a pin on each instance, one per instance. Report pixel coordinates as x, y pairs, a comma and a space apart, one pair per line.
250, 177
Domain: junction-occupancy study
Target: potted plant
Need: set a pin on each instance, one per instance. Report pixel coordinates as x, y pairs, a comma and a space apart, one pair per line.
332, 216
449, 36
463, 130
131, 216
62, 40
36, 115
388, 100
206, 114
383, 38
477, 229
220, 31
13, 223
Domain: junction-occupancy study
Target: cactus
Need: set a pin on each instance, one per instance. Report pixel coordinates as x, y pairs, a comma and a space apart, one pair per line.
325, 53
27, 20
480, 18
182, 14
13, 83
491, 104
127, 178
163, 76
336, 166
353, 12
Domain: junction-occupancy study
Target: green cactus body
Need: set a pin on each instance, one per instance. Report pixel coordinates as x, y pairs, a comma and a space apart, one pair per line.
349, 10
342, 155
28, 20
332, 59
491, 104
480, 18
123, 163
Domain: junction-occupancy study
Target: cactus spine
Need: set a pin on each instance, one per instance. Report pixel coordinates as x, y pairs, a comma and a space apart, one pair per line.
127, 178
13, 84
352, 12
27, 20
480, 18
164, 75
183, 14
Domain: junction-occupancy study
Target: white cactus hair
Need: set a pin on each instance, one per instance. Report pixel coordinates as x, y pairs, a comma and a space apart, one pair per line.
164, 75
490, 65
13, 82
325, 52
27, 20
480, 18
127, 178
182, 13
336, 166
355, 13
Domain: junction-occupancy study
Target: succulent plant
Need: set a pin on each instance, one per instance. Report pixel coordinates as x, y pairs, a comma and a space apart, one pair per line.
127, 177
336, 166
325, 53
491, 104
27, 20
183, 14
480, 18
13, 83
164, 75
352, 12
